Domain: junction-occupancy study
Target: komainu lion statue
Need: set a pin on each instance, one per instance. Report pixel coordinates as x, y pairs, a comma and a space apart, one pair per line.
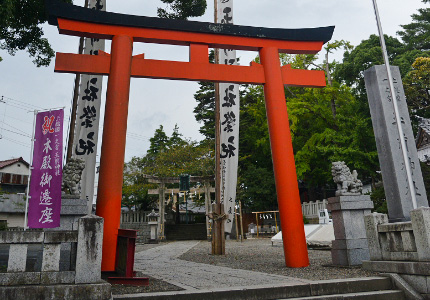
347, 182
72, 173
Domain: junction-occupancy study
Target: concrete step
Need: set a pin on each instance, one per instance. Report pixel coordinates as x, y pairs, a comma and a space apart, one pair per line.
379, 288
350, 285
379, 295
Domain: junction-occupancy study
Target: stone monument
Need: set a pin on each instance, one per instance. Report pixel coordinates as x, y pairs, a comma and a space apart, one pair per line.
348, 209
388, 143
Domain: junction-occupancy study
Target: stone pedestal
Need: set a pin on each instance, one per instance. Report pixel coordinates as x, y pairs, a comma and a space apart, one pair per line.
350, 245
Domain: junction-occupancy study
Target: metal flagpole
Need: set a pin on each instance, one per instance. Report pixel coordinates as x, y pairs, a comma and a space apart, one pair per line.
396, 109
29, 170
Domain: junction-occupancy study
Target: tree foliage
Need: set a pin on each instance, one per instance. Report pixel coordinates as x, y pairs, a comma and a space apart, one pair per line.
166, 157
416, 35
21, 20
182, 9
20, 29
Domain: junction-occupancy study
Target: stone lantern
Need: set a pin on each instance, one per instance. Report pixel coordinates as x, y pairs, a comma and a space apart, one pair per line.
153, 225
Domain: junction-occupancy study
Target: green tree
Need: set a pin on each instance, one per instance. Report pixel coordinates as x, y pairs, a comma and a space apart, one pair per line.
367, 54
21, 20
135, 186
417, 89
182, 9
416, 35
159, 142
176, 138
20, 29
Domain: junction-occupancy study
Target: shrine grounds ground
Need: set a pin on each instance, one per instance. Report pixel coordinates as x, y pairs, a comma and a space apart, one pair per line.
253, 255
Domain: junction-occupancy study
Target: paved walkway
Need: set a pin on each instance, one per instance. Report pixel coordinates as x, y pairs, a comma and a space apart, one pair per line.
162, 263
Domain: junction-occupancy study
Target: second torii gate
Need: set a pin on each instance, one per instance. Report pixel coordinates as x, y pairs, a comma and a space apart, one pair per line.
121, 65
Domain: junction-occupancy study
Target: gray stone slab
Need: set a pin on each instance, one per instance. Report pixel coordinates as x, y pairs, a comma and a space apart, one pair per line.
101, 291
418, 282
17, 258
89, 249
349, 224
350, 244
20, 278
421, 227
400, 267
408, 241
357, 198
349, 257
388, 142
65, 277
398, 226
21, 237
51, 257
404, 256
60, 237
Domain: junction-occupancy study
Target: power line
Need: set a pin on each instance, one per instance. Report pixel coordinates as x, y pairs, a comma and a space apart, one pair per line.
15, 141
22, 103
13, 127
26, 135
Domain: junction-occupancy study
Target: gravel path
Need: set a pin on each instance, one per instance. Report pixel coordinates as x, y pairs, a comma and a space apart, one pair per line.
259, 255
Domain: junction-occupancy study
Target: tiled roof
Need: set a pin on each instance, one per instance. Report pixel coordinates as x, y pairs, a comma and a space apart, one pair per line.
425, 125
5, 163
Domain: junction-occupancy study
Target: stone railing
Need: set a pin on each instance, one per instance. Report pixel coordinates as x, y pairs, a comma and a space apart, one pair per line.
86, 264
402, 248
403, 241
311, 209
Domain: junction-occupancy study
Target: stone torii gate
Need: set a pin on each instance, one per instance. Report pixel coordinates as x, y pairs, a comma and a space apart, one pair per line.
120, 65
161, 191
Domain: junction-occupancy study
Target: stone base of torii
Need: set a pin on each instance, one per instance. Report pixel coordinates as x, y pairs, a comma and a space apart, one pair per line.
162, 191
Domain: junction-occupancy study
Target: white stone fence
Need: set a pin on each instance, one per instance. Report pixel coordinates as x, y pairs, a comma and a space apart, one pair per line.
87, 259
311, 209
134, 217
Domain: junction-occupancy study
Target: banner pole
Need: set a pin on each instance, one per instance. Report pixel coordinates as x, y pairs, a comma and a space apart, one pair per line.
29, 170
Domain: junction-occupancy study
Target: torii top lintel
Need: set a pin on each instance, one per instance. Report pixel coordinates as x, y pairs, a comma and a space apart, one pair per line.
79, 21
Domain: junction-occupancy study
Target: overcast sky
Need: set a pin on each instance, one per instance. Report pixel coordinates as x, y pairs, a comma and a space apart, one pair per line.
162, 102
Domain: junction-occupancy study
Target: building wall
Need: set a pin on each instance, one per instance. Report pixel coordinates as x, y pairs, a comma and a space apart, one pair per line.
13, 220
17, 168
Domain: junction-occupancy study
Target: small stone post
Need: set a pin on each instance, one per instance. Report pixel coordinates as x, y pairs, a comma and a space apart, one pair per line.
153, 222
371, 222
421, 226
89, 249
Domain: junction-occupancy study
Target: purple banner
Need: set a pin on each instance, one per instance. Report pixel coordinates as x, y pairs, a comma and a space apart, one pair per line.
46, 175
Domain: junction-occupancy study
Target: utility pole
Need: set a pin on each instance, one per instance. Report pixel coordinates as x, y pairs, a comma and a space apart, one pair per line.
218, 238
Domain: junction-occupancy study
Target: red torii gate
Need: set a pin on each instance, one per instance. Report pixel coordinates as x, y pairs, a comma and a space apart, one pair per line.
121, 65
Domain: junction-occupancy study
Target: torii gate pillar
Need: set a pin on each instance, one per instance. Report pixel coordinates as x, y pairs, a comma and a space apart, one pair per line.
290, 210
109, 193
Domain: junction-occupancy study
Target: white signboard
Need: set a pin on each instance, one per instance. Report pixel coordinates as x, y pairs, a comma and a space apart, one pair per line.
229, 119
88, 116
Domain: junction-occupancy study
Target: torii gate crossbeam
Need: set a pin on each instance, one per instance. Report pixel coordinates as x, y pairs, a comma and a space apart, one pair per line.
121, 65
